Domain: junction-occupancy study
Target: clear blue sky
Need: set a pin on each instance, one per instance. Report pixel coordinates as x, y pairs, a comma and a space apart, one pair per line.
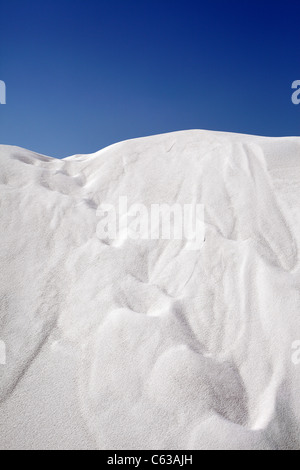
83, 74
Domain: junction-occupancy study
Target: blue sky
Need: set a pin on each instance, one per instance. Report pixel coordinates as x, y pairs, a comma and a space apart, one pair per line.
83, 74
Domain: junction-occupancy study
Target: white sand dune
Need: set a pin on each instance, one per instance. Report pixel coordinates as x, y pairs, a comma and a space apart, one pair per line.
145, 345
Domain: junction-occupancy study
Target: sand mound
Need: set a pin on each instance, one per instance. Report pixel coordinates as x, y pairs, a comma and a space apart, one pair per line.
142, 344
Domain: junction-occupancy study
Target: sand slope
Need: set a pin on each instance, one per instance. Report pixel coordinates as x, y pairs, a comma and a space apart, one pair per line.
144, 345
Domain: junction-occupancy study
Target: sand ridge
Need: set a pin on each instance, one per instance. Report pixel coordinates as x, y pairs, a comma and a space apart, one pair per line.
163, 348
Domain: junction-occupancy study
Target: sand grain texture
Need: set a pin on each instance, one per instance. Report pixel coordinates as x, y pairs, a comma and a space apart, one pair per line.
142, 344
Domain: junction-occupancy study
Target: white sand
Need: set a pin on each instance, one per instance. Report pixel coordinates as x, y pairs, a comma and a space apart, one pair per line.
144, 345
